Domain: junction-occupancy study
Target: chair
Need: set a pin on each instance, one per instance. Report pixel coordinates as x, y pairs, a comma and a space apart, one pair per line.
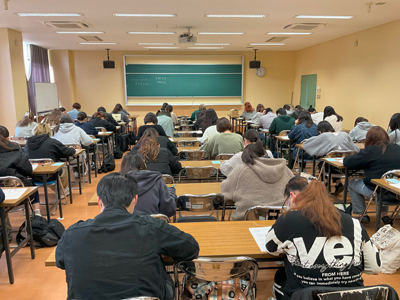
335, 154
213, 269
282, 133
161, 217
199, 203
82, 162
199, 173
188, 144
12, 181
263, 212
142, 298
168, 179
193, 154
224, 156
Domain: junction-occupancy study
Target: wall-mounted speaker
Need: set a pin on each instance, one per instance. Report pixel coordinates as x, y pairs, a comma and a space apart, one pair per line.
109, 64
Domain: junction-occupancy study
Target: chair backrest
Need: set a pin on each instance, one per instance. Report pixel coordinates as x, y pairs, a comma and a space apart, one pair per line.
193, 154
101, 129
41, 161
284, 133
187, 134
161, 217
10, 181
15, 138
199, 203
188, 144
75, 146
199, 173
340, 153
168, 179
224, 156
261, 212
391, 174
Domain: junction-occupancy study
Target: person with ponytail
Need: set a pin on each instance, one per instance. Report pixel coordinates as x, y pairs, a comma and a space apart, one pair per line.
25, 126
251, 136
257, 181
394, 129
322, 245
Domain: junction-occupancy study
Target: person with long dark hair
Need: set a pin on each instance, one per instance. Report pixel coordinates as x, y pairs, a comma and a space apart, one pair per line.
332, 117
162, 140
25, 126
394, 129
198, 124
319, 242
361, 127
378, 157
209, 125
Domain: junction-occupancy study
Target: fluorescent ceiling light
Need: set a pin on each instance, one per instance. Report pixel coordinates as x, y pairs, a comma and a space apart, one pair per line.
267, 44
214, 44
153, 44
232, 33
80, 32
322, 17
144, 15
149, 32
204, 48
161, 47
289, 33
49, 15
99, 43
235, 16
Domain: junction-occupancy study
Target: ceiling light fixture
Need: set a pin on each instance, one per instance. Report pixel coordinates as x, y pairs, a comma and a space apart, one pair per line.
80, 32
161, 47
97, 43
154, 44
149, 32
145, 15
322, 17
205, 48
235, 16
215, 44
216, 33
289, 33
48, 14
267, 44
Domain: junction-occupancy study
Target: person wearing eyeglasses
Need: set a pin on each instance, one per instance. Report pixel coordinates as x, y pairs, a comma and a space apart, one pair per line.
321, 245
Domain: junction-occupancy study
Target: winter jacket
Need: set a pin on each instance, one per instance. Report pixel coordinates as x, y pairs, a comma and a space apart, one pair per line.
14, 162
25, 131
360, 131
118, 255
166, 163
99, 122
394, 136
154, 197
256, 118
166, 123
227, 166
248, 115
266, 120
299, 133
142, 129
209, 133
69, 133
337, 125
88, 128
223, 143
260, 184
164, 143
326, 142
280, 123
2, 196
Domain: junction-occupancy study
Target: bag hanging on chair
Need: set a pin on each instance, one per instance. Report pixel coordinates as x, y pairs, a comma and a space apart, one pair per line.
387, 240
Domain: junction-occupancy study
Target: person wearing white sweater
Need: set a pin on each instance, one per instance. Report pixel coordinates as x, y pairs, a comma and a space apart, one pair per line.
25, 125
332, 117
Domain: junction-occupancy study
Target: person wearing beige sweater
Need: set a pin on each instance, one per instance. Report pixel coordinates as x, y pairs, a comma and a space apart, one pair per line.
258, 181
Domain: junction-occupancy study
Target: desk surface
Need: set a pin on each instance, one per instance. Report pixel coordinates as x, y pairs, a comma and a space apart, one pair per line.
335, 163
47, 168
107, 133
200, 163
180, 149
215, 239
383, 183
283, 138
78, 152
14, 202
189, 139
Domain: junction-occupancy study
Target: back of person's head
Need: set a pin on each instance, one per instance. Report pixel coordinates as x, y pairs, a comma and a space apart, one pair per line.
115, 110
299, 108
311, 110
202, 106
210, 118
4, 134
65, 119
281, 111
324, 126
149, 132
286, 106
359, 120
62, 109
76, 105
377, 136
305, 117
203, 115
248, 107
223, 124
267, 110
295, 184
315, 204
394, 122
117, 189
26, 120
150, 118
81, 116
101, 109
119, 106
251, 135
169, 108
99, 115
260, 108
149, 148
164, 113
329, 111
253, 152
164, 106
42, 128
133, 161
54, 117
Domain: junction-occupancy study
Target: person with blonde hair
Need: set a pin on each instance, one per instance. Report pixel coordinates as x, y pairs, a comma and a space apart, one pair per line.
25, 126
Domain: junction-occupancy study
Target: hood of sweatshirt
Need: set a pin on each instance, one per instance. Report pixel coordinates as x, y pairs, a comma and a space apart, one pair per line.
285, 118
66, 127
269, 170
146, 179
365, 125
36, 141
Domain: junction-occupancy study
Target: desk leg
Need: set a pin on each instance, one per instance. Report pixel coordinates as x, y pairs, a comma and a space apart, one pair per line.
79, 175
302, 160
29, 228
102, 146
346, 185
280, 149
313, 165
46, 197
95, 161
271, 142
6, 244
329, 178
69, 182
88, 164
379, 209
59, 195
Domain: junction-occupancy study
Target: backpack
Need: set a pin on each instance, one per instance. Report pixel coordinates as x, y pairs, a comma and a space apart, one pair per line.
122, 140
45, 233
131, 138
118, 152
108, 164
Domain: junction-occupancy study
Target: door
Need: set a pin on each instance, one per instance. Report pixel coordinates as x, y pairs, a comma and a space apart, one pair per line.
308, 90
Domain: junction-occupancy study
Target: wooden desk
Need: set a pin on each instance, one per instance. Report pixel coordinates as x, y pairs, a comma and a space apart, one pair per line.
77, 154
180, 149
283, 139
196, 132
9, 203
213, 238
178, 139
134, 122
102, 135
200, 163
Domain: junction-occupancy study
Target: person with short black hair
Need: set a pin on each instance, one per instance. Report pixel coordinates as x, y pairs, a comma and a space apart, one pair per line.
281, 122
63, 110
361, 127
332, 117
394, 129
25, 126
267, 118
85, 125
108, 117
75, 109
117, 254
224, 142
150, 121
99, 120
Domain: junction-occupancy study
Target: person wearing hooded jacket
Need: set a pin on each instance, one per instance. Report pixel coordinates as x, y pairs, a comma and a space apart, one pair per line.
154, 197
281, 122
394, 129
68, 133
361, 127
249, 183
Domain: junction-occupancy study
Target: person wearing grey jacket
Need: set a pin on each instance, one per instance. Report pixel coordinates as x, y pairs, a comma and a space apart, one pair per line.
361, 127
267, 118
394, 129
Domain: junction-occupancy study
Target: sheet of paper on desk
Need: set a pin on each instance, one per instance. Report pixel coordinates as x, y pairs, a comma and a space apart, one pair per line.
14, 193
396, 185
339, 159
285, 138
199, 139
57, 164
215, 162
259, 234
392, 180
34, 166
331, 159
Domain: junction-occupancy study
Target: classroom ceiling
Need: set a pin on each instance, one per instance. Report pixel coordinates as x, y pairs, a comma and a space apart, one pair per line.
280, 13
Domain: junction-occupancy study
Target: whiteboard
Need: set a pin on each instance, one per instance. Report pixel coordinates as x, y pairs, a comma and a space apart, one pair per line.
46, 96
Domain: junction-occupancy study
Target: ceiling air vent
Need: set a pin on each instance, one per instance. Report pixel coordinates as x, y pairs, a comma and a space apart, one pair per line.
91, 38
276, 39
66, 24
305, 26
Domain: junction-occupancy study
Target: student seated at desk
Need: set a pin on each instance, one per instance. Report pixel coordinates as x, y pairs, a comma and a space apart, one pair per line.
316, 116
75, 110
199, 121
122, 109
158, 159
85, 125
361, 127
166, 123
258, 181
259, 112
209, 125
174, 118
267, 118
118, 255
162, 140
318, 240
118, 111
154, 197
99, 120
68, 133
196, 113
332, 117
25, 125
378, 157
251, 136
150, 121
394, 129
53, 119
248, 112
108, 116
281, 122
13, 162
225, 142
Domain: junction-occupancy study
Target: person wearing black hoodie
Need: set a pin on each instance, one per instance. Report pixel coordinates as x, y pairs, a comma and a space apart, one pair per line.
99, 120
154, 197
162, 140
108, 117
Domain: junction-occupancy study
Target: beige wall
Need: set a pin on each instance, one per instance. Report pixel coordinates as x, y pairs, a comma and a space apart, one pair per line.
13, 89
356, 81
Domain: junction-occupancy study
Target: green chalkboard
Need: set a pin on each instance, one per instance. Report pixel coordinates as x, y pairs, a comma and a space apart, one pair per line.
151, 80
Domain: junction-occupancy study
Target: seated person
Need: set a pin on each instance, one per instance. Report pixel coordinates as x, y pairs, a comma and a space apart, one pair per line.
318, 240
378, 157
248, 112
259, 112
394, 129
122, 109
361, 127
99, 120
67, 133
267, 118
251, 136
332, 117
281, 122
225, 142
154, 197
85, 125
158, 159
150, 121
13, 162
199, 121
75, 110
174, 118
118, 255
166, 123
53, 119
258, 181
316, 116
122, 116
162, 140
297, 110
196, 113
209, 125
108, 116
25, 125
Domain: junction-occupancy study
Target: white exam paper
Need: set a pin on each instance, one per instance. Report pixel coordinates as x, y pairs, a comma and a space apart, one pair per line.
259, 234
12, 194
34, 166
395, 185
